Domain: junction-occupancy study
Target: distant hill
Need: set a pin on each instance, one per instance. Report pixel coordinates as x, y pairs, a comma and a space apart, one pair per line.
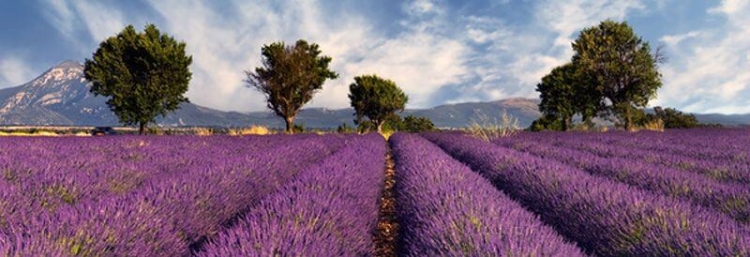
60, 96
731, 120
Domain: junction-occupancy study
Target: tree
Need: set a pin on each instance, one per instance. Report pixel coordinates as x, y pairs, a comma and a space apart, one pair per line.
673, 118
558, 94
415, 124
289, 77
392, 123
621, 66
375, 98
565, 93
546, 122
143, 74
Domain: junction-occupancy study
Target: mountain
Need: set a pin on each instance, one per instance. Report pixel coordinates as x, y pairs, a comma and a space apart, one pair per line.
463, 114
60, 96
730, 120
57, 97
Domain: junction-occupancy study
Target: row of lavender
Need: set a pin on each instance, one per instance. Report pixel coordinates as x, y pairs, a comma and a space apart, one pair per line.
445, 209
732, 199
721, 154
328, 210
77, 169
141, 196
602, 216
720, 162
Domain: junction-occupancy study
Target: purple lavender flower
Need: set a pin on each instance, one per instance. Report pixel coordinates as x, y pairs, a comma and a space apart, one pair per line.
445, 209
604, 217
328, 210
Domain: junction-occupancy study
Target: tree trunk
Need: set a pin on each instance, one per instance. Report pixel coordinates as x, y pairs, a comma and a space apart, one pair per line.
142, 128
566, 124
289, 125
628, 120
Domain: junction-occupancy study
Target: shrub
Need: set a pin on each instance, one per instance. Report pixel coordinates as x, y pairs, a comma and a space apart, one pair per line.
202, 131
345, 128
416, 124
487, 128
252, 130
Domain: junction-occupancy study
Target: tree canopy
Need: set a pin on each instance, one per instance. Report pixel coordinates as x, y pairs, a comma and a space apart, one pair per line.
409, 123
290, 76
415, 124
620, 65
375, 98
143, 74
560, 91
613, 74
673, 118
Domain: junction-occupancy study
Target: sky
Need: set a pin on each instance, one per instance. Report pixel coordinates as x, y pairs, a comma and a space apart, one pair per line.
437, 51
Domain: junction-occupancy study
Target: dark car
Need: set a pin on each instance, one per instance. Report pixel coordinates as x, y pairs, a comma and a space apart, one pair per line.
101, 131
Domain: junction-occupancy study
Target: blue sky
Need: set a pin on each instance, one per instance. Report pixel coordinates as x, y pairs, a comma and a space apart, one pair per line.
437, 51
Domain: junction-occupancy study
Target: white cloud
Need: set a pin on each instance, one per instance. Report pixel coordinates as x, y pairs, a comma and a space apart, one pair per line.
61, 16
709, 73
519, 55
14, 72
672, 41
422, 7
97, 19
732, 8
419, 63
483, 30
222, 48
567, 18
100, 20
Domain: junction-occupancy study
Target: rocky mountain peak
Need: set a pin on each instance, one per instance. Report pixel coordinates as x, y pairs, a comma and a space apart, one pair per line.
69, 64
65, 72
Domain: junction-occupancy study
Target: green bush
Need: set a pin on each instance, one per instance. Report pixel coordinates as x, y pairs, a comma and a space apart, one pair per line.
345, 128
547, 122
415, 124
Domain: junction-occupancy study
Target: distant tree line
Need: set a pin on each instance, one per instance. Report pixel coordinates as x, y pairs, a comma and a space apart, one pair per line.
146, 74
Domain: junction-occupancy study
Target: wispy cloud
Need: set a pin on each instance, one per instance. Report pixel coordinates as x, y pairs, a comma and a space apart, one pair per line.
673, 41
61, 15
509, 59
14, 71
708, 68
422, 7
96, 20
417, 60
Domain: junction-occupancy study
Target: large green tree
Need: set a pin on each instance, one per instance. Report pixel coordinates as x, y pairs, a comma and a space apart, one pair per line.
289, 77
558, 93
143, 74
565, 93
621, 67
376, 98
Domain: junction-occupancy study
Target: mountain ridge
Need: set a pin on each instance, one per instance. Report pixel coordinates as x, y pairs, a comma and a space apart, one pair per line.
60, 96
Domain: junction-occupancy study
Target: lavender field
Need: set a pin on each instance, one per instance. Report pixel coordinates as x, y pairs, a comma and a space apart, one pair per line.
676, 193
